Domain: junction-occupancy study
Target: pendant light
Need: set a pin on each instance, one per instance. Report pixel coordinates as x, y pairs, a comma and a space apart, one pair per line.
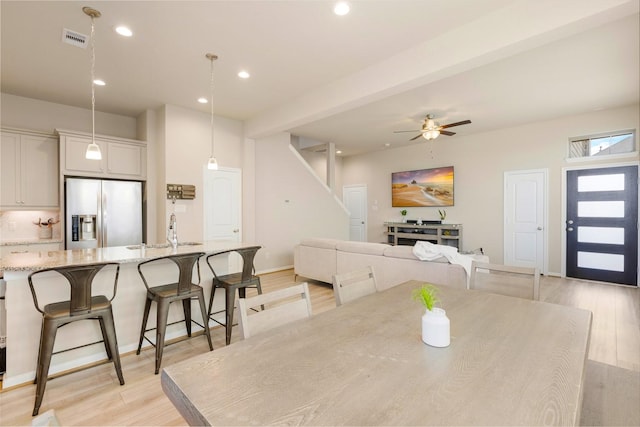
93, 150
212, 164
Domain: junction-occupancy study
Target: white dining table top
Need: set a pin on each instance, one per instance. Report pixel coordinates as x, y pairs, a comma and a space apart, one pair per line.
511, 361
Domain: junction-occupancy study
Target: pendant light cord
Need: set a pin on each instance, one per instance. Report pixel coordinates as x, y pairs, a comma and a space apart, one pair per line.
93, 85
212, 134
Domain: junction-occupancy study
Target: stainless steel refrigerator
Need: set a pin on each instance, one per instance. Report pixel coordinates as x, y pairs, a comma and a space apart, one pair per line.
102, 213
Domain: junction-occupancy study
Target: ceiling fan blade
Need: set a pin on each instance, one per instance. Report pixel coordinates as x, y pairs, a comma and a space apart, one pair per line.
446, 132
415, 137
450, 125
400, 131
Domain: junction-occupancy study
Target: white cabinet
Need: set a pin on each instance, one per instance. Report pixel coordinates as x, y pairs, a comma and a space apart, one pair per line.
29, 170
121, 158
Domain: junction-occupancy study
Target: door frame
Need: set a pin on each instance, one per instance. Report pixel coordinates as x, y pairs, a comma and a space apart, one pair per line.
563, 215
545, 214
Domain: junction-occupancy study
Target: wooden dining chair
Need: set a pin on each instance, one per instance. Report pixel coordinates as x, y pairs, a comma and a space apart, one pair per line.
523, 282
353, 285
280, 307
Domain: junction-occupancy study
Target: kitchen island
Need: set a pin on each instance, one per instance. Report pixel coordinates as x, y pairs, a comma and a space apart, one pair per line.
24, 322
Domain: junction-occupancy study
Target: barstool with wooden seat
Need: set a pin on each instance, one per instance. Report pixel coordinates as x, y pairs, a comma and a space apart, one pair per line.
82, 305
181, 290
232, 281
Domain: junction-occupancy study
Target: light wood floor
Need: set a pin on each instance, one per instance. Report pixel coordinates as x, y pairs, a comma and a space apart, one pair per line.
94, 397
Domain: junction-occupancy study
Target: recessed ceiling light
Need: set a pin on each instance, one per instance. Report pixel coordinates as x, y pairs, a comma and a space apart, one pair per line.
339, 152
387, 145
244, 74
124, 31
202, 100
341, 8
99, 82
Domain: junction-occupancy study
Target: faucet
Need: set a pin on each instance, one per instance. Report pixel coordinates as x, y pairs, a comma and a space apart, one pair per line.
172, 232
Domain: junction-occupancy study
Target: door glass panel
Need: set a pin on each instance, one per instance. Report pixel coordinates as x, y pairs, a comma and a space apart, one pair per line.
606, 235
613, 209
601, 261
601, 183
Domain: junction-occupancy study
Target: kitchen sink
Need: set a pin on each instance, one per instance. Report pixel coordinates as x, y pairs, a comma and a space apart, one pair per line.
164, 245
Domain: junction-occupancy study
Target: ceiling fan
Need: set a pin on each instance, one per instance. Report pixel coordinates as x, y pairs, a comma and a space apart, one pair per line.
431, 129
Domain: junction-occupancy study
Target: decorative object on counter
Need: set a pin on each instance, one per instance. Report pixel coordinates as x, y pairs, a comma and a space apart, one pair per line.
403, 212
419, 221
443, 215
212, 164
172, 232
46, 228
93, 149
435, 323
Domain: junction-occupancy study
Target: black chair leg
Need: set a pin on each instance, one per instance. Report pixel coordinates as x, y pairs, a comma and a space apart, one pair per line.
109, 332
230, 294
105, 339
213, 292
145, 317
206, 320
161, 328
186, 308
49, 330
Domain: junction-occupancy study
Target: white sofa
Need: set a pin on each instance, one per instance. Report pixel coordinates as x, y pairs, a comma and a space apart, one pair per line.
319, 259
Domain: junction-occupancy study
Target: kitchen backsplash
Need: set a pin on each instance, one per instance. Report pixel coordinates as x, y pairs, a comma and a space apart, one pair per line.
21, 225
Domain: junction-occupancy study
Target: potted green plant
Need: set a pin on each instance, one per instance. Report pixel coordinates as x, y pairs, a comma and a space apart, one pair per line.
443, 215
403, 212
435, 323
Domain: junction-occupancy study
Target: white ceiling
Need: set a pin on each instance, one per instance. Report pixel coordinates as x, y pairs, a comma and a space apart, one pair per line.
350, 80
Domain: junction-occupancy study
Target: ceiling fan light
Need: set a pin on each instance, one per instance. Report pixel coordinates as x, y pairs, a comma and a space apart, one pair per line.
93, 152
212, 164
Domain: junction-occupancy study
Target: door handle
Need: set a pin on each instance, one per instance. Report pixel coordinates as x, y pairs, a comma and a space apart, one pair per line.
236, 231
362, 222
570, 222
570, 229
539, 228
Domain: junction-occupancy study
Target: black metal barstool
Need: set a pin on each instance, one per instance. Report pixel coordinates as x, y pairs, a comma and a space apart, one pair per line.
232, 281
82, 305
181, 290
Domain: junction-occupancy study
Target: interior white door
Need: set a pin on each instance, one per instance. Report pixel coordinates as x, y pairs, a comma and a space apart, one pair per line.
354, 198
222, 204
525, 221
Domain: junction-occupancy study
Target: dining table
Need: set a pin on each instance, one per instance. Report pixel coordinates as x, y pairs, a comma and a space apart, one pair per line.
510, 361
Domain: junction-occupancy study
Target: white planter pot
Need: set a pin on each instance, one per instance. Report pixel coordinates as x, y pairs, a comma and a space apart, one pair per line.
436, 328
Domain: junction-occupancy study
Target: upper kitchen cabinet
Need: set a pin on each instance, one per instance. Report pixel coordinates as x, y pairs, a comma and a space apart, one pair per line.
121, 158
29, 175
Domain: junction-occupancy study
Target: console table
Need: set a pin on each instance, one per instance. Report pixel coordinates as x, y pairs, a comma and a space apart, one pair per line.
400, 233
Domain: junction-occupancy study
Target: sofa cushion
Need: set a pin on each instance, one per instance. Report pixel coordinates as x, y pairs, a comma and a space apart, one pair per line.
318, 242
362, 247
406, 252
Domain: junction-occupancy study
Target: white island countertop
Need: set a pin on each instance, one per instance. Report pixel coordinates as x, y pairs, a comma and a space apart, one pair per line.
32, 261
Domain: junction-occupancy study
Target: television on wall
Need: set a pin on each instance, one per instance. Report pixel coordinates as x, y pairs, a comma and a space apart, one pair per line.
423, 187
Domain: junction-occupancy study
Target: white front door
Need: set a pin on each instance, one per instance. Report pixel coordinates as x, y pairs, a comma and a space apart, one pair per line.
525, 218
354, 198
222, 204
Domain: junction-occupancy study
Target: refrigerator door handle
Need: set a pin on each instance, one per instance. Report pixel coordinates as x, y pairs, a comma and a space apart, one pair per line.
105, 212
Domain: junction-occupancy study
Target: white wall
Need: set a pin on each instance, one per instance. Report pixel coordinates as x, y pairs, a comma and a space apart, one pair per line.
291, 203
480, 162
185, 147
34, 114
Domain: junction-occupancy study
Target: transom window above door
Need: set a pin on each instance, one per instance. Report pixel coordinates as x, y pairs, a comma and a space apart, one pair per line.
596, 147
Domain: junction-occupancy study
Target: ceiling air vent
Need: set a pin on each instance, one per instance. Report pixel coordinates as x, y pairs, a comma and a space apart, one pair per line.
74, 38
